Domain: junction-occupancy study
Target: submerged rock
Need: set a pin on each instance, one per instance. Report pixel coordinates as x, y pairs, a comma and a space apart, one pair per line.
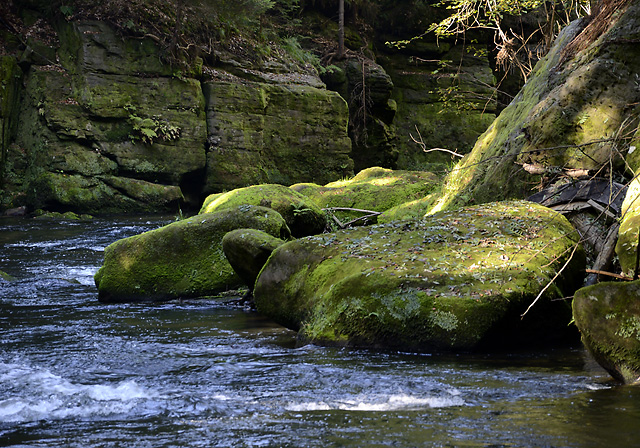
608, 317
456, 280
247, 250
182, 259
66, 216
6, 277
301, 215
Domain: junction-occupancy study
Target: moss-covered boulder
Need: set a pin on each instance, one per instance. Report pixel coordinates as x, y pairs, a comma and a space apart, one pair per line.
247, 250
608, 317
376, 189
629, 233
43, 215
182, 259
409, 210
456, 280
302, 216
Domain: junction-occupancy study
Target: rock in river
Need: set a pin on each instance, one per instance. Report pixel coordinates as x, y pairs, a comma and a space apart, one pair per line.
182, 259
302, 216
608, 317
247, 251
456, 280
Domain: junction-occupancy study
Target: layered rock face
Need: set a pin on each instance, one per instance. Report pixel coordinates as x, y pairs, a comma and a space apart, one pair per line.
113, 129
274, 133
109, 130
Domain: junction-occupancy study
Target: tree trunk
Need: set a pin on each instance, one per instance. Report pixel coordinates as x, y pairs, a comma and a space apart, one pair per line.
341, 29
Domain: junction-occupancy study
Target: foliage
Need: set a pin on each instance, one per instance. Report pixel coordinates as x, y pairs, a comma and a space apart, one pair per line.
150, 129
514, 48
305, 57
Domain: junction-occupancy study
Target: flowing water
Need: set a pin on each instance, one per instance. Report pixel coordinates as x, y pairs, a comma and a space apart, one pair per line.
78, 373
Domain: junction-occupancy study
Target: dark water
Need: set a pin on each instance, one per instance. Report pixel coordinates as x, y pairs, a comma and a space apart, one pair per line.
77, 373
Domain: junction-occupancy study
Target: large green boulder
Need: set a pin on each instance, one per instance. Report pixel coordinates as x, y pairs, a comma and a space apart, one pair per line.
302, 215
182, 259
375, 189
608, 317
456, 280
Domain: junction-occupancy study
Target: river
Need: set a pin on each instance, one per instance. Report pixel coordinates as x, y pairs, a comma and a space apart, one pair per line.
199, 373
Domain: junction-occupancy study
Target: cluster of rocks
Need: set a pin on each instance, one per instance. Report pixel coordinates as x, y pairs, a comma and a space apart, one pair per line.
456, 280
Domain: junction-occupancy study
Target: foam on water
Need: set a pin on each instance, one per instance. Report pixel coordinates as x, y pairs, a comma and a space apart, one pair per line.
44, 395
396, 402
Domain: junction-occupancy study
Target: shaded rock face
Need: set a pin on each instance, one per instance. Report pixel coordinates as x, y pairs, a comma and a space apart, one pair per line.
445, 107
301, 215
10, 77
608, 317
265, 133
183, 259
456, 280
247, 250
113, 129
567, 117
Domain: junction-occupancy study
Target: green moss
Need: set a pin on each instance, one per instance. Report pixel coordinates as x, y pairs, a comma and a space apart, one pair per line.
628, 234
608, 317
266, 133
456, 280
182, 259
69, 216
376, 189
6, 277
301, 215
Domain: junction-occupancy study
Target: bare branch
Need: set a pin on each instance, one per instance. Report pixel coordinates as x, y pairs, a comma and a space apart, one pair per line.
575, 248
423, 145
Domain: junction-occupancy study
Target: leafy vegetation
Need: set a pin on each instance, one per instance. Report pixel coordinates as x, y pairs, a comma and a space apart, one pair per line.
149, 130
519, 49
